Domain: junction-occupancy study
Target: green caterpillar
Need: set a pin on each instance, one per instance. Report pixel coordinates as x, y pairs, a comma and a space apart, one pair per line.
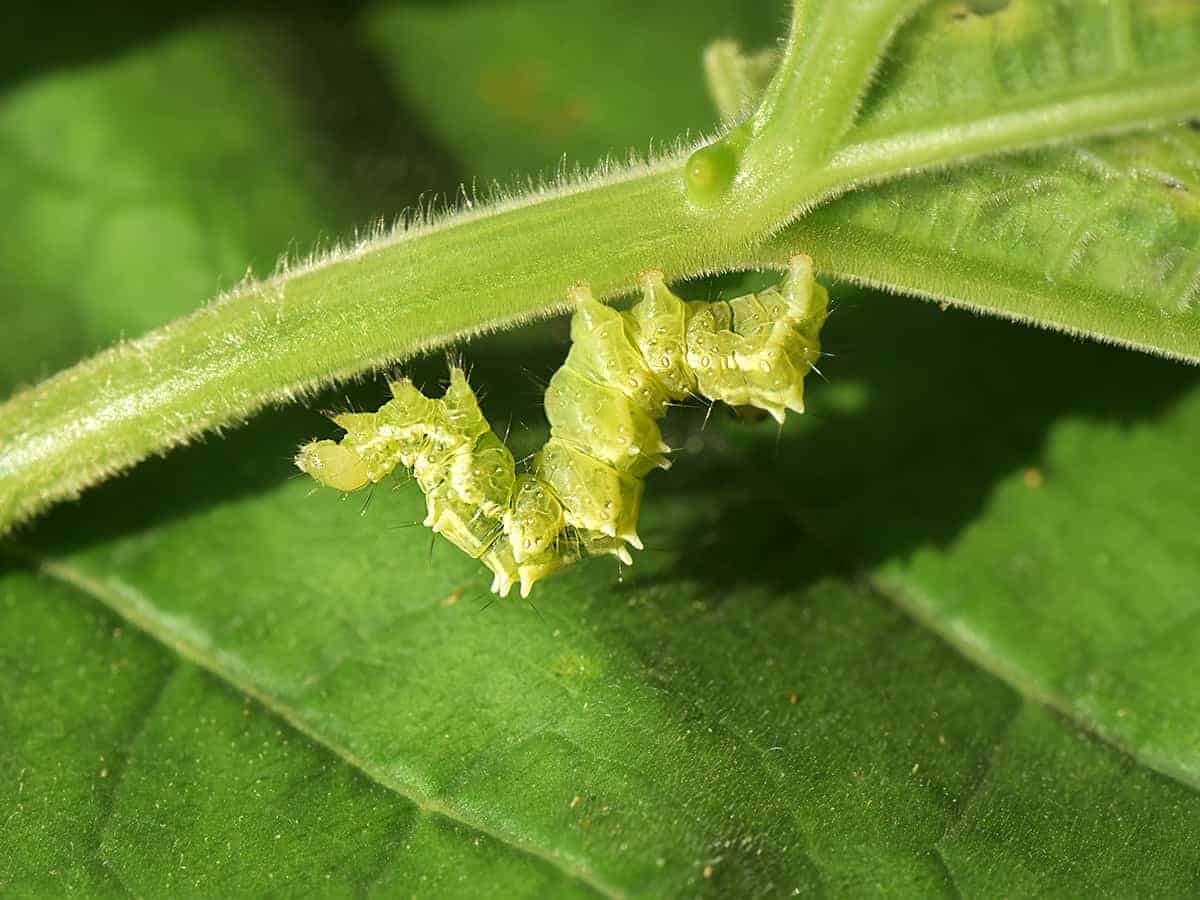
583, 490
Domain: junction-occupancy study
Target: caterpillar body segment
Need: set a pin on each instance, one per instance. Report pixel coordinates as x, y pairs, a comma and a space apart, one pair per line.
583, 491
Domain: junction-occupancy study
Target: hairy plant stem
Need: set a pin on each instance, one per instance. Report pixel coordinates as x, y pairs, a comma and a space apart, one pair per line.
394, 297
806, 111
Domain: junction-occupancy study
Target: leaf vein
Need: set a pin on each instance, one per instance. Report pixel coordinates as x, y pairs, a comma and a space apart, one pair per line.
1026, 686
144, 617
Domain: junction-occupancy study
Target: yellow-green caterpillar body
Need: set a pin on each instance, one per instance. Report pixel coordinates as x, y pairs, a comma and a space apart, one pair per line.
583, 490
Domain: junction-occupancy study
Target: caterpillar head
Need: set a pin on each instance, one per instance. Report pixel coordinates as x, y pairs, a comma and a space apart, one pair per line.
333, 465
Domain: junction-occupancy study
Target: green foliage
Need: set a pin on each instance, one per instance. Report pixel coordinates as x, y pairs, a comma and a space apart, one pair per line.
934, 638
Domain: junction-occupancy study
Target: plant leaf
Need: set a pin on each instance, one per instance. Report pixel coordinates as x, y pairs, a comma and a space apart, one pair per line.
956, 60
663, 701
1090, 551
129, 772
728, 716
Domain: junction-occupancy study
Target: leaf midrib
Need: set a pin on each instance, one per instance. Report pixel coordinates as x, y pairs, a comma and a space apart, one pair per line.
887, 128
1026, 686
874, 155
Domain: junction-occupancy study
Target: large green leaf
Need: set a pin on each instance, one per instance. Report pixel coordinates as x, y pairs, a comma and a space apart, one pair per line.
144, 776
725, 715
745, 711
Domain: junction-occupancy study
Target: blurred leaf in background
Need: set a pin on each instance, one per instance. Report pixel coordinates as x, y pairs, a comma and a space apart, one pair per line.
936, 638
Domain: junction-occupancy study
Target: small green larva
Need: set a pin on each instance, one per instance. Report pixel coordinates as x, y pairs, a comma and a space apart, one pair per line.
583, 490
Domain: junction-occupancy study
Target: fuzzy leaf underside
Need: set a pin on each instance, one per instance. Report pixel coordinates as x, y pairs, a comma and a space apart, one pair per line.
1100, 240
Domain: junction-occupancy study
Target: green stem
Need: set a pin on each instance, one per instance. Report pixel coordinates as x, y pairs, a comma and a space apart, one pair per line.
273, 341
832, 51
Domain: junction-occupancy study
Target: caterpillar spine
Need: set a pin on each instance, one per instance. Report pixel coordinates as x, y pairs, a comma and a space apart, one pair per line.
583, 491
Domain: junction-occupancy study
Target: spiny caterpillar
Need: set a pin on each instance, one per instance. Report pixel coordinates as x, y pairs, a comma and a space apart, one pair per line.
583, 489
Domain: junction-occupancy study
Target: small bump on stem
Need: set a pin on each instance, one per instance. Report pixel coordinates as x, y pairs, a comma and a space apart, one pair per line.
711, 170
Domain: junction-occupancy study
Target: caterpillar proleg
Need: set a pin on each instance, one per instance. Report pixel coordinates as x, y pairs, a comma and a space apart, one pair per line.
583, 490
